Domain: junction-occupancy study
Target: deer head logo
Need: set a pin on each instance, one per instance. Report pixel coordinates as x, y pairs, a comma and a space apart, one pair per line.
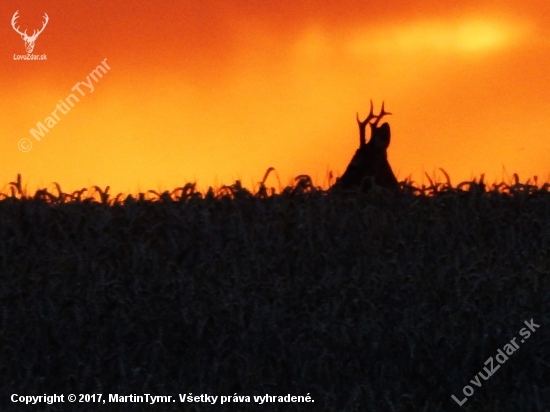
370, 162
29, 40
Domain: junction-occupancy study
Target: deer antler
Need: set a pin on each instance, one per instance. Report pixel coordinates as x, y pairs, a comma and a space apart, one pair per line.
15, 17
363, 125
35, 35
379, 117
35, 32
46, 22
369, 117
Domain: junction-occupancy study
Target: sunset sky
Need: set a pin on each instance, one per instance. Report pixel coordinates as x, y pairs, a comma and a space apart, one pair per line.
213, 91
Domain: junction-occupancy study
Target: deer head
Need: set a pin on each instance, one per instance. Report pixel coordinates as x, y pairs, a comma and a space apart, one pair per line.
370, 162
29, 40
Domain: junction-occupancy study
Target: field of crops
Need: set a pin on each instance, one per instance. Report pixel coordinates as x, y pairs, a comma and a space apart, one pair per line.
386, 301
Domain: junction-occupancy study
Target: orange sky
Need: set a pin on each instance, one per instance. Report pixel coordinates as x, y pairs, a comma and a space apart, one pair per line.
219, 91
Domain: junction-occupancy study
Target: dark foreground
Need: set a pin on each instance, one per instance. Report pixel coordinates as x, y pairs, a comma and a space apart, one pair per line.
379, 302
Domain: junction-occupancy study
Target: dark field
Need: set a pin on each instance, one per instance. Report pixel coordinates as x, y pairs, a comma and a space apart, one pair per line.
379, 302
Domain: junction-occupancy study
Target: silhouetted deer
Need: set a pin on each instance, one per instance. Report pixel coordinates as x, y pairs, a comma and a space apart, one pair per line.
370, 162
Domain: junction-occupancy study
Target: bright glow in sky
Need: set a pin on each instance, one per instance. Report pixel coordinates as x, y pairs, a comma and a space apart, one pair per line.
466, 35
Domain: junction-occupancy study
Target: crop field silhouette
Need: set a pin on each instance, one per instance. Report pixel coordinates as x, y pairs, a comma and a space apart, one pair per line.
389, 300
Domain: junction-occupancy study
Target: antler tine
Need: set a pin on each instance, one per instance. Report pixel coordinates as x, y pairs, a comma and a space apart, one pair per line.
13, 21
382, 112
363, 125
369, 117
379, 117
37, 32
45, 23
15, 16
